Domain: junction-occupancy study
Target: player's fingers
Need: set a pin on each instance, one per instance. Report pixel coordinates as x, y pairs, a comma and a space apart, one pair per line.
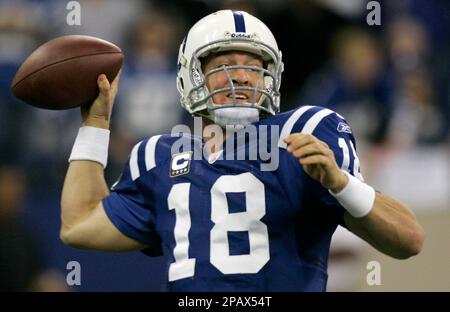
323, 144
309, 149
103, 85
325, 149
315, 160
298, 140
291, 137
116, 80
115, 83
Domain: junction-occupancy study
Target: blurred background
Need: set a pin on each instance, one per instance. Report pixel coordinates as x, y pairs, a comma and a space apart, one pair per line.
390, 81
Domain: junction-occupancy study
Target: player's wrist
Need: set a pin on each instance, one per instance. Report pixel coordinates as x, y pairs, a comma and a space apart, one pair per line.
91, 144
356, 197
340, 184
96, 122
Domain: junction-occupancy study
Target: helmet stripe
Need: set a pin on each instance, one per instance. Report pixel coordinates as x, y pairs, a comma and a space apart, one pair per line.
239, 22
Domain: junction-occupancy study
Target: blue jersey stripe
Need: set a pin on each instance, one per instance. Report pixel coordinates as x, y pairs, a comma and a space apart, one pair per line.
239, 22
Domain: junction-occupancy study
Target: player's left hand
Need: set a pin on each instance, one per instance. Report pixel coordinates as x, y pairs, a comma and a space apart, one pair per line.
317, 159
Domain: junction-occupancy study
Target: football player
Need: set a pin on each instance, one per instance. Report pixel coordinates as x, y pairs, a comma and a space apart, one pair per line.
226, 224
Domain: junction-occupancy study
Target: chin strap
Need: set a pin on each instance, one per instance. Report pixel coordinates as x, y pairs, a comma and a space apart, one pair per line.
235, 116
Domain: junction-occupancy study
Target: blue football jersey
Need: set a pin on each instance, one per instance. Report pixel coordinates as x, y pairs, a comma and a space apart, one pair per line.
226, 224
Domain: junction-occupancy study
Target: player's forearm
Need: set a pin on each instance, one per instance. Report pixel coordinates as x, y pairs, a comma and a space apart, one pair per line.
390, 227
84, 187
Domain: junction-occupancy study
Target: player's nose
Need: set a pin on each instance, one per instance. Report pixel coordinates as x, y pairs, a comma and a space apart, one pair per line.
240, 77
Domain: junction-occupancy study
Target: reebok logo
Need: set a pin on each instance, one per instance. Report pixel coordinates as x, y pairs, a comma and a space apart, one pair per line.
343, 127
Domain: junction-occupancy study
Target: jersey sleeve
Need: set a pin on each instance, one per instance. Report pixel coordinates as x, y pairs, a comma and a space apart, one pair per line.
127, 207
333, 129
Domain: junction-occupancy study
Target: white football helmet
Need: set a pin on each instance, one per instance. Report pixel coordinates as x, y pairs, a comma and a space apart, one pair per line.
227, 30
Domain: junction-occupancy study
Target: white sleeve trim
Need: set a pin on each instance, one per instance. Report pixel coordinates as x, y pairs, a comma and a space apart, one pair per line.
309, 126
287, 128
150, 157
134, 167
150, 152
312, 123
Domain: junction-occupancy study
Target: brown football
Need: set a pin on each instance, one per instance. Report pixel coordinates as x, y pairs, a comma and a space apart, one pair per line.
62, 73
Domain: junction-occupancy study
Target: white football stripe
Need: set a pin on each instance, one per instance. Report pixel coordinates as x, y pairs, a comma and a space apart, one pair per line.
312, 123
340, 116
150, 149
134, 167
287, 128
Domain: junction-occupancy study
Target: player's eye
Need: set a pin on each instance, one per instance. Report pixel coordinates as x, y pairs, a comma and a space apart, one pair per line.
255, 64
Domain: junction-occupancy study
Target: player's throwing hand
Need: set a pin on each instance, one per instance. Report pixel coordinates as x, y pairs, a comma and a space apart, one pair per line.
98, 114
317, 159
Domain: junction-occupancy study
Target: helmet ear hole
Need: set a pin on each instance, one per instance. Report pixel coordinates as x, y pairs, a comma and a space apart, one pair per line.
181, 83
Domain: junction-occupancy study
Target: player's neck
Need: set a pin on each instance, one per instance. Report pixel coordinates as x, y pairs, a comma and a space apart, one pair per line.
213, 141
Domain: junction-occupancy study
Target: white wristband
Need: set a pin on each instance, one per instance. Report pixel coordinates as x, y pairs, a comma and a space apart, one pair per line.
357, 197
91, 144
